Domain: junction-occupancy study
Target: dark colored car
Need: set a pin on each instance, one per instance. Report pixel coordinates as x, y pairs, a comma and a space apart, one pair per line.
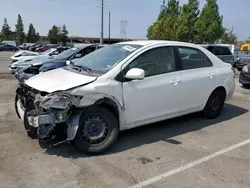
7, 47
245, 76
58, 61
242, 61
43, 48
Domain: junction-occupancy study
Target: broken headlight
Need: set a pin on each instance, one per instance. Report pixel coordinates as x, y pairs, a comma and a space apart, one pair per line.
59, 101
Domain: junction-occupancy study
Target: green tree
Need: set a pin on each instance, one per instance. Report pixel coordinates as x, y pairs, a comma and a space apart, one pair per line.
5, 32
248, 40
186, 30
20, 29
209, 25
32, 36
64, 35
166, 26
229, 37
54, 34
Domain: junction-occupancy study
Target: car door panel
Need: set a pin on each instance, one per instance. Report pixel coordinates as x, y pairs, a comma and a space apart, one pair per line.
197, 79
154, 96
151, 98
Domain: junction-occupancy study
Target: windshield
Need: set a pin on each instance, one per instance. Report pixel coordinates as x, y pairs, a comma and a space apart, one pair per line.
106, 58
66, 53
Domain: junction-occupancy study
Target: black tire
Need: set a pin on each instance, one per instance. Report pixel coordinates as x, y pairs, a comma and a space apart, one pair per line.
16, 99
112, 127
215, 104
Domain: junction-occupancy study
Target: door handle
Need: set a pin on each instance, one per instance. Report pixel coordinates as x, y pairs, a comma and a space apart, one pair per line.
174, 82
210, 75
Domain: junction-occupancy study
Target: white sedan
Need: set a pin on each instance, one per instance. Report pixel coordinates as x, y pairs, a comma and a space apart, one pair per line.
122, 86
25, 57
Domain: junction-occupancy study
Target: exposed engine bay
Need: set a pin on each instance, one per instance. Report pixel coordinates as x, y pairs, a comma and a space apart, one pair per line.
48, 116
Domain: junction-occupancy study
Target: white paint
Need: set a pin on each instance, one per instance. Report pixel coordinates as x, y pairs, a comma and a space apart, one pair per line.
190, 165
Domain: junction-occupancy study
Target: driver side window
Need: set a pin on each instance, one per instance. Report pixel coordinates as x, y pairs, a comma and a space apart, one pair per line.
155, 61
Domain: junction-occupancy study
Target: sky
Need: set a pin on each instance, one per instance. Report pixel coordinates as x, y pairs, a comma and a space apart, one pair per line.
83, 17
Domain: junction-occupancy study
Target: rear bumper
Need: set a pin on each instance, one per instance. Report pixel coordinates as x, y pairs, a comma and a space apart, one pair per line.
244, 78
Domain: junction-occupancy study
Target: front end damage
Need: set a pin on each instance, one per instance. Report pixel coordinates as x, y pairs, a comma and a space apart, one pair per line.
47, 116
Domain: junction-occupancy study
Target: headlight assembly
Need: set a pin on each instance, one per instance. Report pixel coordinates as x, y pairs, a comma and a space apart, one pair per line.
245, 69
59, 101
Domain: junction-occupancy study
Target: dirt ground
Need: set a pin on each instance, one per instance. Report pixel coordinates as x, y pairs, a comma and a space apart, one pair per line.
140, 154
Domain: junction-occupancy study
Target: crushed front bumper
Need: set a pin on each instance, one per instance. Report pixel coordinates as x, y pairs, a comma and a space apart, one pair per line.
58, 124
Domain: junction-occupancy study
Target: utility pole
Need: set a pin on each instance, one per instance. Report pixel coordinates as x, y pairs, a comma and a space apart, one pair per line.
109, 25
102, 7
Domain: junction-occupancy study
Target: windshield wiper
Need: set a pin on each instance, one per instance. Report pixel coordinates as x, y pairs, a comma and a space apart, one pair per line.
80, 67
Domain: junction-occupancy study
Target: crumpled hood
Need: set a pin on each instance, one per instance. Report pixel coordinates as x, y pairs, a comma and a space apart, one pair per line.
58, 80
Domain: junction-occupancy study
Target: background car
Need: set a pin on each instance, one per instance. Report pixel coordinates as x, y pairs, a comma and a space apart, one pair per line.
221, 51
7, 47
242, 61
244, 78
22, 60
72, 55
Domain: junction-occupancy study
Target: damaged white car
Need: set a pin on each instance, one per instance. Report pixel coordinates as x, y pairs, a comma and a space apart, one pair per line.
122, 86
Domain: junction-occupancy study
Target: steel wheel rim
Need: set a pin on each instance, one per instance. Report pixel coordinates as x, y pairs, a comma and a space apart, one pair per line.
215, 103
95, 129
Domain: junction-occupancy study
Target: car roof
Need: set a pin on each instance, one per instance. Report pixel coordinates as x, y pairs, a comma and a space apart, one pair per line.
155, 42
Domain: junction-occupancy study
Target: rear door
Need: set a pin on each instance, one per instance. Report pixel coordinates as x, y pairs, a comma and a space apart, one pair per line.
197, 79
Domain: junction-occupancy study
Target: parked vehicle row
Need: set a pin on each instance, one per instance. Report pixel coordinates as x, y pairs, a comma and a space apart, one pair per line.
99, 91
8, 47
22, 59
31, 68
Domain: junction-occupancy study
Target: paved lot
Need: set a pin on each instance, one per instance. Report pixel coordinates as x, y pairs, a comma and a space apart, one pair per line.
185, 152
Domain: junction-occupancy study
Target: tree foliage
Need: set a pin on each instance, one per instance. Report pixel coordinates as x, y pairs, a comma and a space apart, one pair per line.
209, 25
187, 23
20, 29
32, 36
64, 35
165, 26
229, 37
186, 30
54, 34
5, 32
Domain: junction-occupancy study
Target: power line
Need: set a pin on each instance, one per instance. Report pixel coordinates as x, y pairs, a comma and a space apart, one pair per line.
123, 31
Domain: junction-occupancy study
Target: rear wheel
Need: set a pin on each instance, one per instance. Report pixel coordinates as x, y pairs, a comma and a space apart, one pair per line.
98, 130
215, 104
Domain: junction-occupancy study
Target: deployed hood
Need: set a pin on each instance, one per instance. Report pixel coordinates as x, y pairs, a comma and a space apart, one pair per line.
57, 80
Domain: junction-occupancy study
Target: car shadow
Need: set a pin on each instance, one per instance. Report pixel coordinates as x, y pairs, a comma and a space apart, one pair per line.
161, 131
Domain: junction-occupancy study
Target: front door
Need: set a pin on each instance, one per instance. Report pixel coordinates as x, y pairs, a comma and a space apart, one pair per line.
156, 96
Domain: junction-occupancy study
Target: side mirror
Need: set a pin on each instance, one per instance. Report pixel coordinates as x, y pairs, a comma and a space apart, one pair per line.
135, 74
68, 62
78, 56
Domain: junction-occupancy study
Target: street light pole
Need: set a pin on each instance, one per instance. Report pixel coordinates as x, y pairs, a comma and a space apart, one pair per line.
109, 25
102, 6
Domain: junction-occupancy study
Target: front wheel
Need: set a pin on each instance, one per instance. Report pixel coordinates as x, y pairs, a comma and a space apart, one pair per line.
98, 130
214, 104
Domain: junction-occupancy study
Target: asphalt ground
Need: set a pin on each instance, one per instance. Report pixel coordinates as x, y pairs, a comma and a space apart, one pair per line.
184, 152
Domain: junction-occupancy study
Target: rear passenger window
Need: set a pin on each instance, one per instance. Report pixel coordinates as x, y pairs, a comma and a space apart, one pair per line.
193, 58
225, 51
155, 61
